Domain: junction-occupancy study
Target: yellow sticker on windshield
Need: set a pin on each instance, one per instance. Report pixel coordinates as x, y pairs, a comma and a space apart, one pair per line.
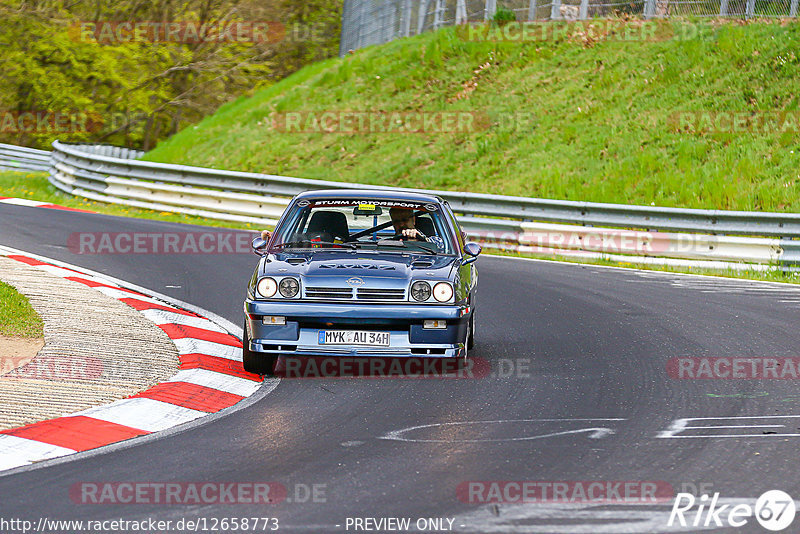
366, 207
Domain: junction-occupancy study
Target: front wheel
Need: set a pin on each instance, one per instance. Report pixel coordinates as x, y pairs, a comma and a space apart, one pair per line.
255, 362
465, 353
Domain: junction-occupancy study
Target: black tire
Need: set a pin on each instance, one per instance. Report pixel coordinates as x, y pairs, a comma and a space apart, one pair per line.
465, 353
256, 362
471, 335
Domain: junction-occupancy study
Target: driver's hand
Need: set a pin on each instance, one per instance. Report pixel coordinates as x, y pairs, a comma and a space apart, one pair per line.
265, 234
411, 232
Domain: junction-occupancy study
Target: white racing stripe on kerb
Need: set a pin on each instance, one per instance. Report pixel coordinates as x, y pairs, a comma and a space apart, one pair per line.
165, 317
222, 382
16, 451
190, 345
23, 202
65, 273
120, 294
144, 414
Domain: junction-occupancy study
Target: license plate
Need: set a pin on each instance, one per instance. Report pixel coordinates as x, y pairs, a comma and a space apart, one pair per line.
353, 337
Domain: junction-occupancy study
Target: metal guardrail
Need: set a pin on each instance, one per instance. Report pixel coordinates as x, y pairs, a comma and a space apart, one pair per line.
540, 226
19, 158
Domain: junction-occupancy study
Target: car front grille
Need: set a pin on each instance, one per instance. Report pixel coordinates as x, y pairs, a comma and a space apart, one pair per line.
380, 294
346, 293
337, 293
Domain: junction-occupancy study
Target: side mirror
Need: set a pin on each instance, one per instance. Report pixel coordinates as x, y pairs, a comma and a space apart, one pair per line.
259, 246
471, 250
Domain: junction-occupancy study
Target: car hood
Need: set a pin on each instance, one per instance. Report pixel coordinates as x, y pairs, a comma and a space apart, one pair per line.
331, 265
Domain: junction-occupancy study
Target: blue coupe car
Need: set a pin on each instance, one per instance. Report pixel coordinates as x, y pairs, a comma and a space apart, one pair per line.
361, 274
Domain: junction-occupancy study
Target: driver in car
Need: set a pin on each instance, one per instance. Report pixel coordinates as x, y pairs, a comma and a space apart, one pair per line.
404, 221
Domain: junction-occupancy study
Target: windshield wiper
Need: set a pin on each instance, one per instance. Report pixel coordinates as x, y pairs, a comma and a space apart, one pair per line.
303, 243
432, 250
389, 242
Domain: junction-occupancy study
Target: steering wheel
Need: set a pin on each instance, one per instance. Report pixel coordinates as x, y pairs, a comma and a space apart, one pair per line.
401, 237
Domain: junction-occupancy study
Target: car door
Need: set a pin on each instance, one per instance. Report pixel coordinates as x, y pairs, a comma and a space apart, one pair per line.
467, 277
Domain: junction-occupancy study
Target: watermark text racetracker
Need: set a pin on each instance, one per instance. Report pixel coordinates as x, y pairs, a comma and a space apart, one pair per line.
47, 367
547, 238
395, 122
223, 242
194, 493
727, 122
109, 32
49, 122
563, 491
734, 368
587, 32
308, 367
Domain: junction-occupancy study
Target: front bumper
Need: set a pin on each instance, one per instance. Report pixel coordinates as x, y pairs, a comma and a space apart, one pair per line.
407, 338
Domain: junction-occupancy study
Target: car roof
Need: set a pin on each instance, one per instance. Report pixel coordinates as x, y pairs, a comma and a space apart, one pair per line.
358, 194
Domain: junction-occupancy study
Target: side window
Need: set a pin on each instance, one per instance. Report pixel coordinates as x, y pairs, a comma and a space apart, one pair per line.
452, 218
289, 225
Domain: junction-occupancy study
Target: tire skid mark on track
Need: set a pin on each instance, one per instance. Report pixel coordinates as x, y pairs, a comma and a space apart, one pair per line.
211, 379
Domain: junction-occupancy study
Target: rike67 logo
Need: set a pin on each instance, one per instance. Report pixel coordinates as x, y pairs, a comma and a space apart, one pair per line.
774, 510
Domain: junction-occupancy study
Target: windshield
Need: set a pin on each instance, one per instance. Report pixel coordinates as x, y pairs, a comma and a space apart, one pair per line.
384, 225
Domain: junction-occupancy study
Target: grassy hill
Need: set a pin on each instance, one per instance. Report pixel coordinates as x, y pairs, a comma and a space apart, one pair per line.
603, 112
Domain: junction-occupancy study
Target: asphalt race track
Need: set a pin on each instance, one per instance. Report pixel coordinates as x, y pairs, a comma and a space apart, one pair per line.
588, 399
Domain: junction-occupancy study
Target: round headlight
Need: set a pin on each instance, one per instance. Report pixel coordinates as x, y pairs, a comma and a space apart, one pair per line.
421, 291
442, 291
267, 287
289, 287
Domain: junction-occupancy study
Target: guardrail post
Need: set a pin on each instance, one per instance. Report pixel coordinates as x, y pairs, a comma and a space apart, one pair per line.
555, 10
790, 259
461, 12
750, 9
438, 15
346, 28
389, 29
421, 13
532, 10
649, 8
584, 10
793, 9
362, 24
490, 9
406, 16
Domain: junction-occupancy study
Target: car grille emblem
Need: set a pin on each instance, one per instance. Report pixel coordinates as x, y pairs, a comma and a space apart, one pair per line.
368, 266
355, 281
